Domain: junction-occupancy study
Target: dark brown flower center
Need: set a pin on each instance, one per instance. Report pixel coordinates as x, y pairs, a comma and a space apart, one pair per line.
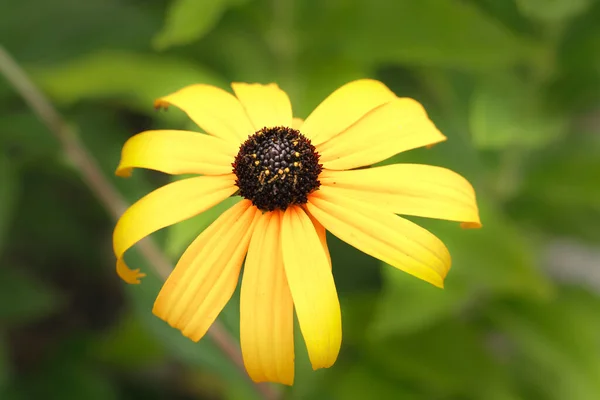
276, 168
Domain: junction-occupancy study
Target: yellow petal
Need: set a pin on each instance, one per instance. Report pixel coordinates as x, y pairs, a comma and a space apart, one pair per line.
177, 152
382, 235
344, 107
166, 206
397, 126
312, 286
206, 275
322, 236
410, 189
217, 112
297, 123
266, 307
266, 105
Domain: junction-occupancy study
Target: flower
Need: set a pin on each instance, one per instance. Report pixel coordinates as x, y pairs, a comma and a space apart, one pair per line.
297, 179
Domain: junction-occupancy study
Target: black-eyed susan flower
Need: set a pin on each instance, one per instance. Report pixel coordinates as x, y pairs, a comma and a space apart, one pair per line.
296, 179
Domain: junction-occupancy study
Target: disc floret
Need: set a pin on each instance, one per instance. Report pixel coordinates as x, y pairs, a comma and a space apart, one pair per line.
276, 168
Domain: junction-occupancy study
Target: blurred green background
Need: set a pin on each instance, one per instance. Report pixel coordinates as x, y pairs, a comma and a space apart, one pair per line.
514, 84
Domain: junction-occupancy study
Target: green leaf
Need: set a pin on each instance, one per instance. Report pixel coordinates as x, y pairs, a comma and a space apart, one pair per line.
408, 305
238, 39
26, 136
448, 360
359, 310
188, 21
560, 193
71, 380
556, 342
112, 24
427, 32
9, 184
553, 10
240, 392
23, 298
359, 380
136, 79
577, 84
508, 13
568, 176
129, 345
103, 134
512, 269
507, 113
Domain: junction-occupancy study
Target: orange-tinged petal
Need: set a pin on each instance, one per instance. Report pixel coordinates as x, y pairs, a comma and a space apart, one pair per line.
206, 275
396, 126
266, 105
176, 152
344, 107
313, 289
217, 112
266, 307
166, 206
410, 189
382, 235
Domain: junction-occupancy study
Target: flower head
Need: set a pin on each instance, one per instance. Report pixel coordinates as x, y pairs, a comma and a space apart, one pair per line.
296, 179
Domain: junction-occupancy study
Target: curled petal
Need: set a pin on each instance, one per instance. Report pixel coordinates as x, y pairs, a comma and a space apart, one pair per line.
166, 206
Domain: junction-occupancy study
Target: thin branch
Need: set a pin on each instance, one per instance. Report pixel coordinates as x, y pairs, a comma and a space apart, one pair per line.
110, 198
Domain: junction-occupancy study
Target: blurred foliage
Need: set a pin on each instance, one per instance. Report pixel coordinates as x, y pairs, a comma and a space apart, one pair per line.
514, 84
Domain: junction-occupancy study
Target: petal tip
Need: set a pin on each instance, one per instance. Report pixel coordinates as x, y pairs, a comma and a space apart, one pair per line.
162, 311
123, 172
471, 225
130, 276
438, 278
160, 104
441, 138
194, 336
324, 363
261, 379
